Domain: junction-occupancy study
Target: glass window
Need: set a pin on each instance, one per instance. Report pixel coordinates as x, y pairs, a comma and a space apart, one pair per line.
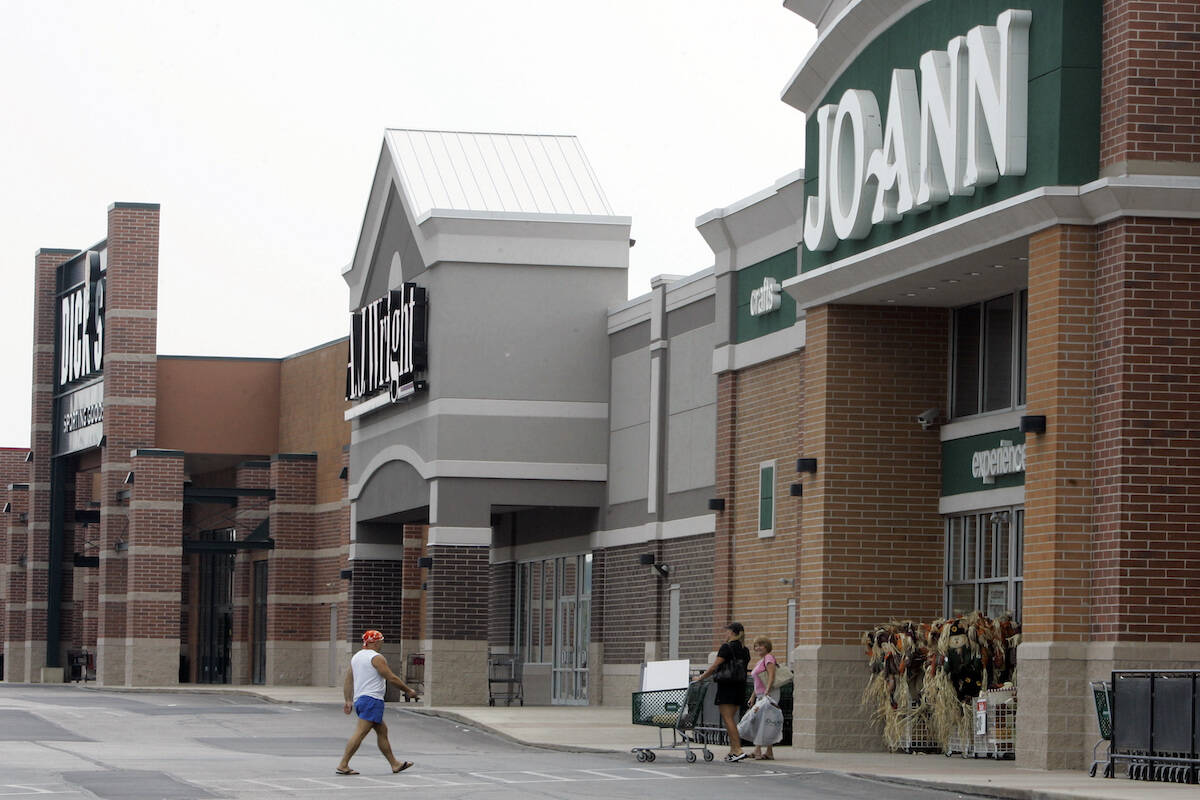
989, 358
766, 498
966, 361
984, 562
998, 354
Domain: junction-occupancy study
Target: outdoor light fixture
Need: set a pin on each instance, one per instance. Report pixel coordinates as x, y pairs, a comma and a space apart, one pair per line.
346, 574
120, 545
129, 478
425, 562
7, 508
806, 465
344, 474
29, 457
647, 560
796, 490
716, 504
1035, 423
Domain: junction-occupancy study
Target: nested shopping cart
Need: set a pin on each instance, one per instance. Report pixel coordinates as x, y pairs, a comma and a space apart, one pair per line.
676, 710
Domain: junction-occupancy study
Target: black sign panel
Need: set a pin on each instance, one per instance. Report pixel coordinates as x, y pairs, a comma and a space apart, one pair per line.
79, 354
387, 345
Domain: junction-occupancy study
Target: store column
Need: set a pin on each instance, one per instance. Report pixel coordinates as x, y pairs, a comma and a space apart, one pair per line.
130, 396
250, 512
35, 573
153, 564
291, 645
870, 513
16, 542
457, 586
1052, 658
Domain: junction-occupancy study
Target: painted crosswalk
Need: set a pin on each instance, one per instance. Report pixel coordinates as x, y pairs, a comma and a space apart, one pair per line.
456, 780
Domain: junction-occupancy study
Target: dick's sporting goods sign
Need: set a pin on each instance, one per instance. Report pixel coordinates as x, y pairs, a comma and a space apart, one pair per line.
79, 354
387, 345
957, 106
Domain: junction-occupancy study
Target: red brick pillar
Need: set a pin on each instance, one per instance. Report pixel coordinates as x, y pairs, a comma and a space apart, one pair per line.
1058, 497
130, 393
250, 513
45, 319
154, 560
723, 552
456, 613
871, 510
16, 542
291, 643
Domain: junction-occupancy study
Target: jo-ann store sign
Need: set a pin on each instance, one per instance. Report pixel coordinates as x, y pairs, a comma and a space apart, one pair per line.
957, 106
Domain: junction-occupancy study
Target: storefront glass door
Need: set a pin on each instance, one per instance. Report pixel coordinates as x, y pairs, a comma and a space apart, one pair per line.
553, 622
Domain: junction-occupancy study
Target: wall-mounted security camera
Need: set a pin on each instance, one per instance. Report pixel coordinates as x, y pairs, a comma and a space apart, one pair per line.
928, 418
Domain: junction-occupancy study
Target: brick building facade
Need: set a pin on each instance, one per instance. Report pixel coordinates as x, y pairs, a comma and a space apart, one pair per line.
791, 438
160, 527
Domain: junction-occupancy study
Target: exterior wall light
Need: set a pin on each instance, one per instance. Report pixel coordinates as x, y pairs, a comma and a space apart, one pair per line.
425, 562
796, 490
1035, 423
716, 504
647, 560
806, 465
120, 545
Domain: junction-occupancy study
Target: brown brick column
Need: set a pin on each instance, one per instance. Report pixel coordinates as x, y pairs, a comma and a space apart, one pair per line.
154, 561
293, 599
871, 510
16, 543
130, 390
723, 552
456, 615
249, 514
1058, 496
41, 436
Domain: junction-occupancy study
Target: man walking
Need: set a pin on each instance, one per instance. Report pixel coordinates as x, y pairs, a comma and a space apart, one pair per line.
366, 679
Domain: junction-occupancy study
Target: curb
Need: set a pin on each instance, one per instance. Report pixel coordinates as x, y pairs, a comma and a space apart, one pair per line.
470, 723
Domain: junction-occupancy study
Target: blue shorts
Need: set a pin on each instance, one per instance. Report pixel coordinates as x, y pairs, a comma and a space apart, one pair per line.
369, 708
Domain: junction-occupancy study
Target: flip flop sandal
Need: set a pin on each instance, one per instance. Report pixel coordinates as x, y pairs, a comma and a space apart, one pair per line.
402, 767
340, 771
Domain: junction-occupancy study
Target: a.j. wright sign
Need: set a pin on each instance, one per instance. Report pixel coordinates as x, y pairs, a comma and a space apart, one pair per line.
387, 345
966, 127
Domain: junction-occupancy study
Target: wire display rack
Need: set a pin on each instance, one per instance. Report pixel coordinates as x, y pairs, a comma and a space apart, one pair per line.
993, 732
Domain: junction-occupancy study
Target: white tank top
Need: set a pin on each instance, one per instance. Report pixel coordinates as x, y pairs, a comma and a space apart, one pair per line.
367, 680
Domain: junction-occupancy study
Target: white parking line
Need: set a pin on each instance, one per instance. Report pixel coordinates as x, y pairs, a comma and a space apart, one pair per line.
28, 789
270, 785
605, 775
657, 772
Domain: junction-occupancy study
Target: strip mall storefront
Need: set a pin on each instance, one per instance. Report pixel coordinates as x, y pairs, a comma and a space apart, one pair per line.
969, 386
176, 519
950, 365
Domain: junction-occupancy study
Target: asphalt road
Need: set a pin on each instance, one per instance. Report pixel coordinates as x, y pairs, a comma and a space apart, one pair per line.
70, 742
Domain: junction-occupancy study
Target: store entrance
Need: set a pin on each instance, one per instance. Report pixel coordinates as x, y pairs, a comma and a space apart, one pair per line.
214, 611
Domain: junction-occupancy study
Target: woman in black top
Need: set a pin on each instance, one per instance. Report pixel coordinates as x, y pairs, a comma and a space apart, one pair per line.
731, 695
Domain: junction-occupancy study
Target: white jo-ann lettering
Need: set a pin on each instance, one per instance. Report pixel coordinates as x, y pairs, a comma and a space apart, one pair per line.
1003, 460
766, 298
965, 128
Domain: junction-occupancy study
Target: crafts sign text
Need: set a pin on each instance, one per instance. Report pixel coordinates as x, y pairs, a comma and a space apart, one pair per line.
766, 298
966, 127
1003, 460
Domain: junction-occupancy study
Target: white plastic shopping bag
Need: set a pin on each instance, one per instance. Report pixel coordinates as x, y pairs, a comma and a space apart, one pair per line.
762, 723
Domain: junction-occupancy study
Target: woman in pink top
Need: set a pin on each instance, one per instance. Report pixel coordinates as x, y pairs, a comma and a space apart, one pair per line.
764, 684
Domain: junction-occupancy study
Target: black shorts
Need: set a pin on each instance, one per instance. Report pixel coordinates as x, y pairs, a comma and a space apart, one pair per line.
730, 694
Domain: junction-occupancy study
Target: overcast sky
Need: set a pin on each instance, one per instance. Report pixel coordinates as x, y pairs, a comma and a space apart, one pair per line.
257, 127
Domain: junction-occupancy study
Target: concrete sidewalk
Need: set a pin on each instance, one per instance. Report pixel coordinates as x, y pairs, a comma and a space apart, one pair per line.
608, 728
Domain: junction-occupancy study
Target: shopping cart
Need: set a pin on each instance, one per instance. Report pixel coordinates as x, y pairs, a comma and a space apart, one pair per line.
1102, 693
676, 710
504, 680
